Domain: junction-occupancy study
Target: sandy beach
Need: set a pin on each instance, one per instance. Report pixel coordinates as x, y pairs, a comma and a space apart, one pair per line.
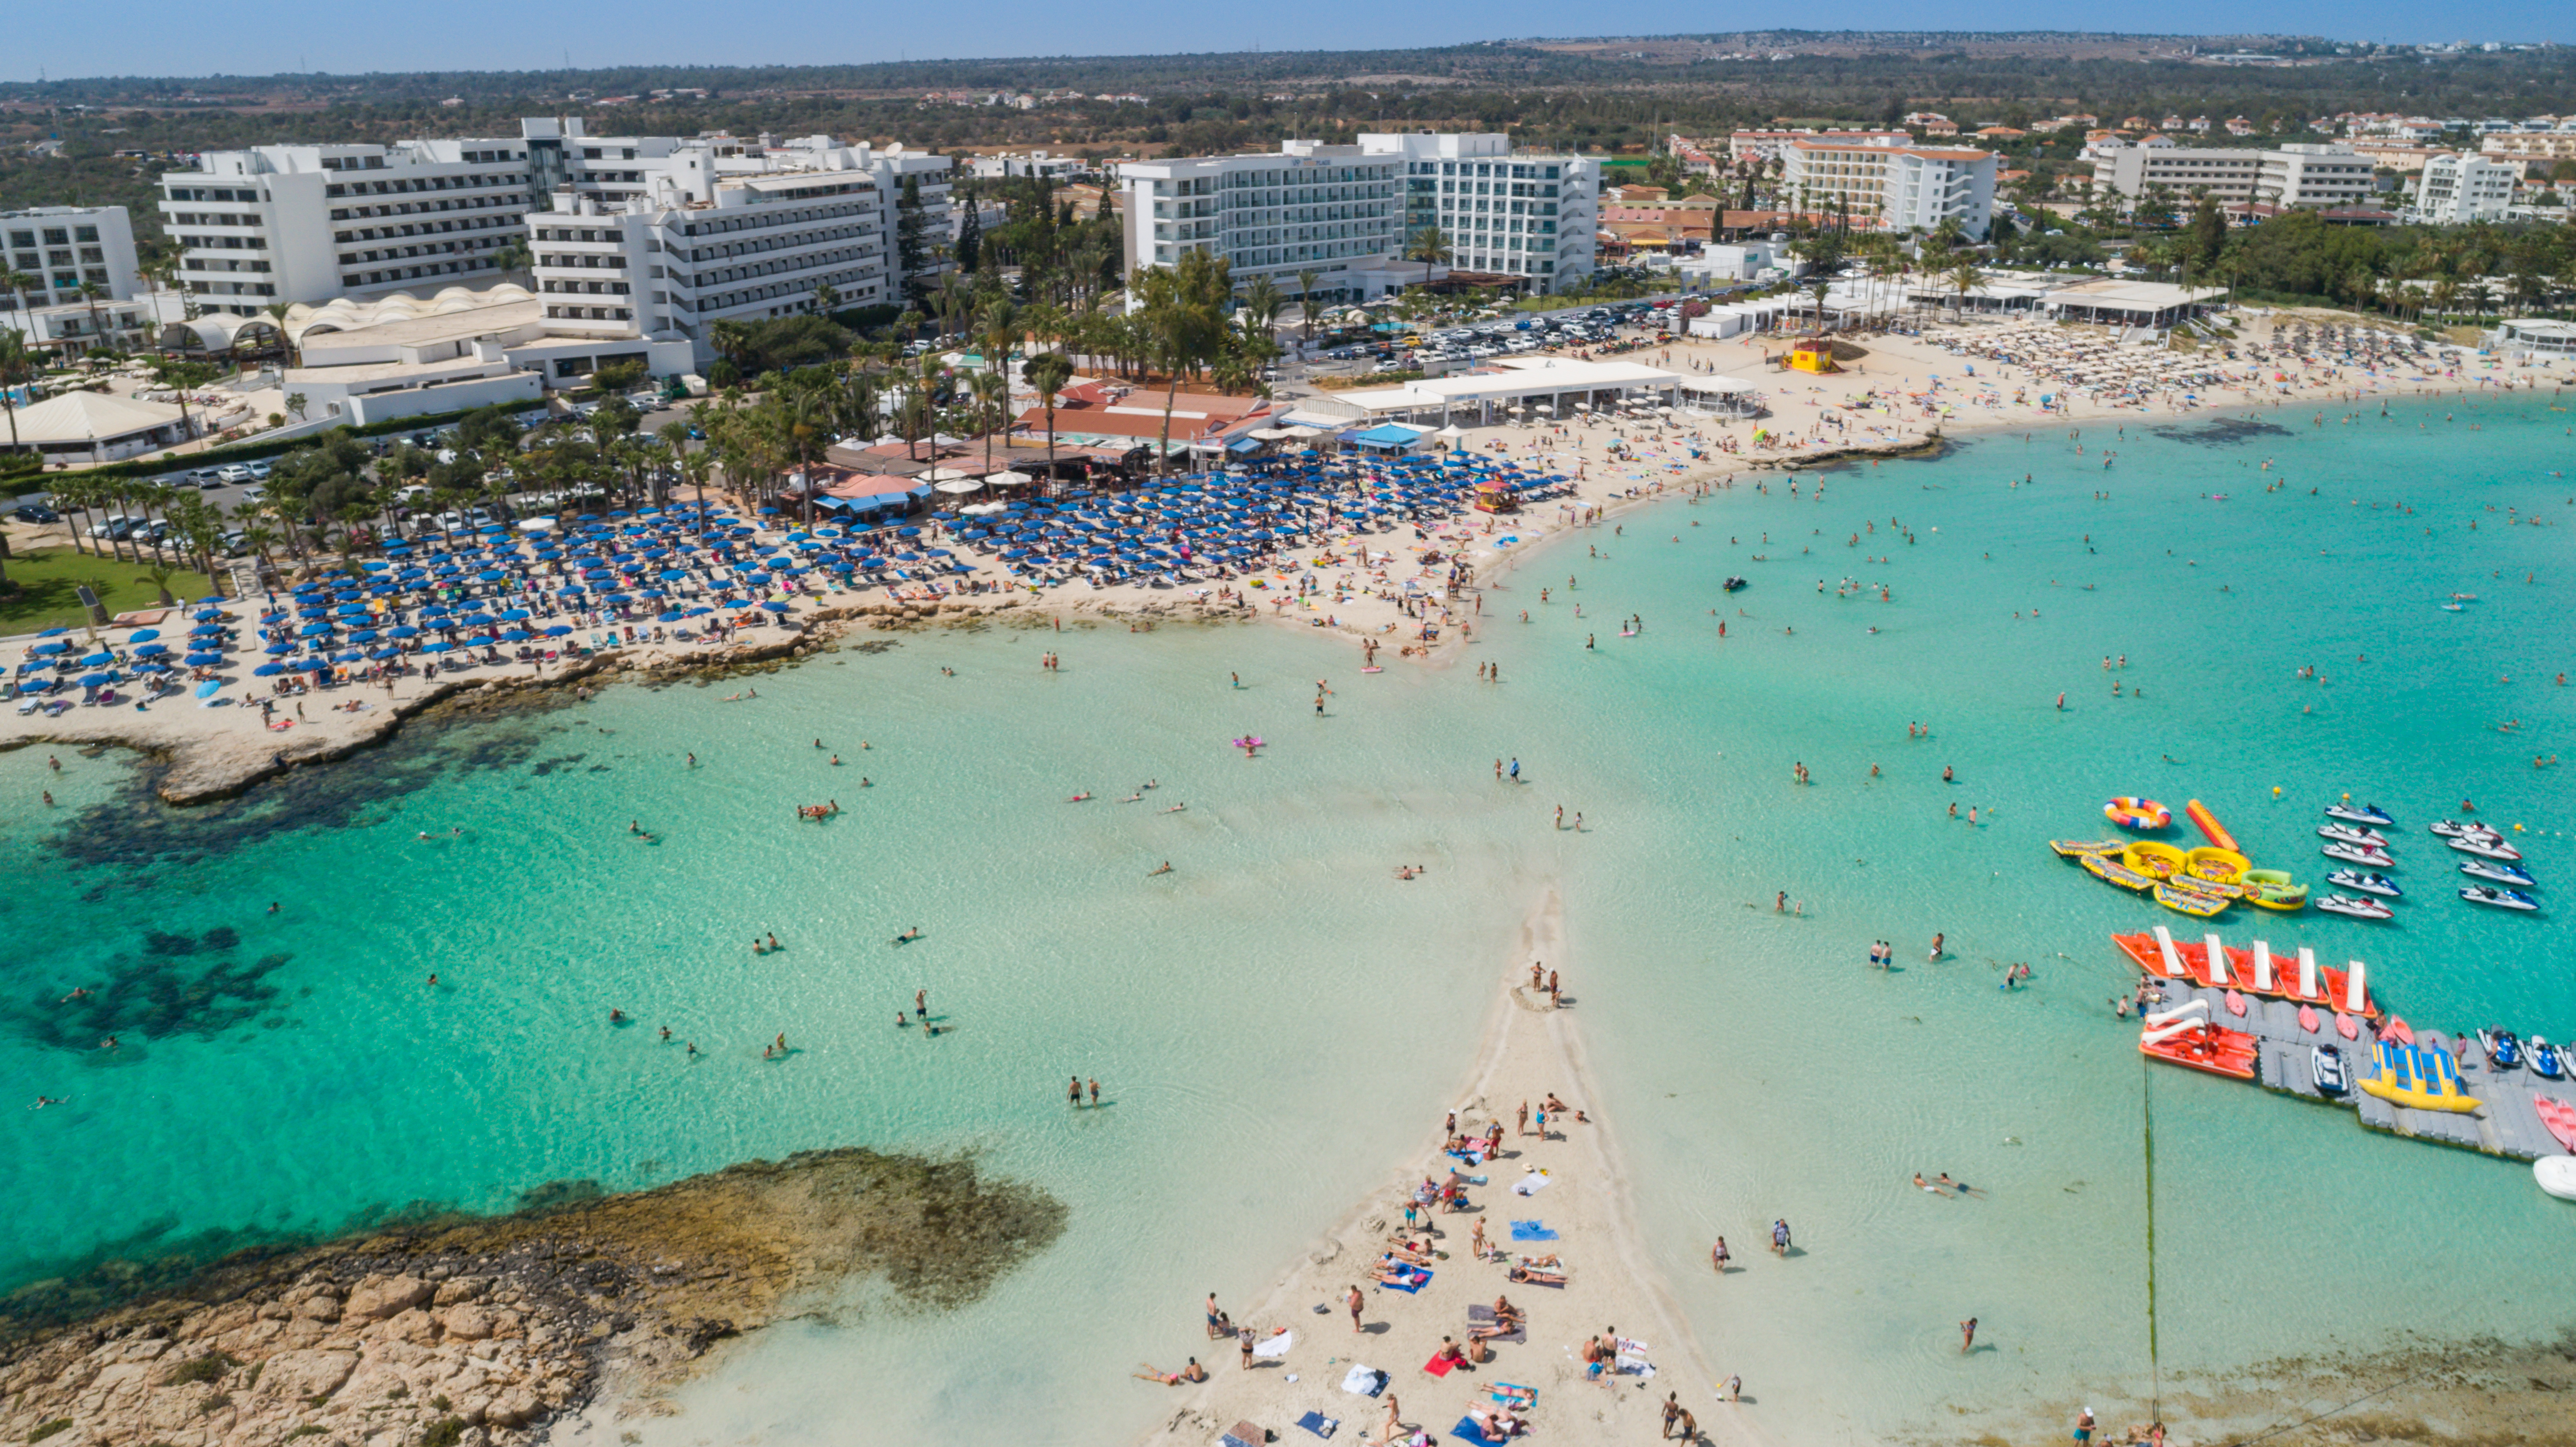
1305, 1349
1904, 395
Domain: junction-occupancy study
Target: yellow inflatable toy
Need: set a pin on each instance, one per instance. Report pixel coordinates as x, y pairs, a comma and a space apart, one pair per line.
2418, 1078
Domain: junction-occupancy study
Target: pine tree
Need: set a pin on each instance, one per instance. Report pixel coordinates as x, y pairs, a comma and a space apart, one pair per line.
970, 237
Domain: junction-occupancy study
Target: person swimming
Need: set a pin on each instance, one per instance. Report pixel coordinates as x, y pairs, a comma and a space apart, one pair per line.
1166, 869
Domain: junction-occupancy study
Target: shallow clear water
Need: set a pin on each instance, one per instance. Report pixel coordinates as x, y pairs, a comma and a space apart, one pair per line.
1277, 1019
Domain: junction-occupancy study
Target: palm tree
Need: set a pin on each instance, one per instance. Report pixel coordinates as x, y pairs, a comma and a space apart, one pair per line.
1048, 372
1306, 280
159, 576
21, 286
17, 367
1431, 248
90, 292
1182, 327
513, 256
992, 407
1964, 277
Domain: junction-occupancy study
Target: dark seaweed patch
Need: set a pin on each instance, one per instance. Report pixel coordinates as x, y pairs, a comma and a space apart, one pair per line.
169, 989
2221, 431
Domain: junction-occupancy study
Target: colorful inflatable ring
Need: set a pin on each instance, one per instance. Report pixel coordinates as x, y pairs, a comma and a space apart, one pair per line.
2132, 813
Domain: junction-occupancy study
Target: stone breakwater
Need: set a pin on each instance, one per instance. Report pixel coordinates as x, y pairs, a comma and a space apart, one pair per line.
462, 1332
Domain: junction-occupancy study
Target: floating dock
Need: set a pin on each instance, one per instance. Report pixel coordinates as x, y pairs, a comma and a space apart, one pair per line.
2504, 1124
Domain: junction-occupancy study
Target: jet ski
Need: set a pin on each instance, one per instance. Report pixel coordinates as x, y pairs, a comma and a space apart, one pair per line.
2366, 814
2545, 1059
2453, 828
2326, 1067
2503, 1051
2499, 871
2366, 883
2359, 854
2346, 834
1734, 584
2358, 907
2500, 898
2486, 846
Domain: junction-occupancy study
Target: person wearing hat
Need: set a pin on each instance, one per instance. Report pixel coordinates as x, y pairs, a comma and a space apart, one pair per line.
2084, 1427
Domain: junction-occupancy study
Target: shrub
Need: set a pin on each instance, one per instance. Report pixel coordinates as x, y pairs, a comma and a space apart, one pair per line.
208, 1368
216, 1403
445, 1432
59, 1424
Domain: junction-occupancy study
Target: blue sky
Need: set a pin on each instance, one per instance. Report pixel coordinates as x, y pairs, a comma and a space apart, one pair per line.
162, 37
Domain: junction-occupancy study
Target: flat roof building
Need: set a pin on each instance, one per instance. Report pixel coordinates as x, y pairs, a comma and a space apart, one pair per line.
1352, 212
63, 248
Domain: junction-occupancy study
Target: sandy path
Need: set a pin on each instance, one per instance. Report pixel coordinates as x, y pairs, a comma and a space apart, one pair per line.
1528, 1051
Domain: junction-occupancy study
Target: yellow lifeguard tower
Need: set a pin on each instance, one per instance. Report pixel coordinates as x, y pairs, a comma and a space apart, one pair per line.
1812, 354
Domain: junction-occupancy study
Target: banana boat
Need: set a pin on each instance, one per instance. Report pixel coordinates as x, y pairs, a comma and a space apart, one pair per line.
2418, 1078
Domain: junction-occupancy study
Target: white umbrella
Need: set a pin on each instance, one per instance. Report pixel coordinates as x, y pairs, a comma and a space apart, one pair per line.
946, 474
1271, 434
958, 486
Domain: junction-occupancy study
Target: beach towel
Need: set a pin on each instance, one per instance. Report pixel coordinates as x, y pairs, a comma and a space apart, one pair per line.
1319, 1424
1466, 1431
1531, 1231
1531, 1184
1513, 1394
1479, 1313
1274, 1346
1438, 1367
1416, 1279
1637, 1367
1364, 1382
1244, 1434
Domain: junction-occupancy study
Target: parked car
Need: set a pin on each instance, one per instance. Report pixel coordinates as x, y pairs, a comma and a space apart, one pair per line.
234, 472
114, 525
259, 471
36, 512
254, 496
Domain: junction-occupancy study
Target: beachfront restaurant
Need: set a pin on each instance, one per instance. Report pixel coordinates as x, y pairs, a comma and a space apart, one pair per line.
2112, 302
94, 427
2538, 335
1519, 389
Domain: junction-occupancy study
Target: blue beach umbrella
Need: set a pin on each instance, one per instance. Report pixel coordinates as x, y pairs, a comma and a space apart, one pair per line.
204, 660
144, 635
93, 680
210, 688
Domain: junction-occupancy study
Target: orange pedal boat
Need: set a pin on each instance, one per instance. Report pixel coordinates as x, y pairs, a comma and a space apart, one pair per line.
2198, 1045
2333, 986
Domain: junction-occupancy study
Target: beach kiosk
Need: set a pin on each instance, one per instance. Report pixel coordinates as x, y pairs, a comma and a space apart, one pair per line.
1812, 354
1495, 495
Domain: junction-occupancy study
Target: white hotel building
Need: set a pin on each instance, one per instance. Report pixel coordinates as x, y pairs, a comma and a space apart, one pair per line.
310, 223
1887, 182
2458, 189
1351, 212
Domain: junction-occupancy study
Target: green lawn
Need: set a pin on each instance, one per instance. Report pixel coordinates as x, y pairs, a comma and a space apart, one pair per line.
43, 589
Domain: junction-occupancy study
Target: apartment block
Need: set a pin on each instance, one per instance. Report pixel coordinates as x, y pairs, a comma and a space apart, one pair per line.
2457, 189
2540, 149
1351, 212
1890, 182
2307, 176
63, 248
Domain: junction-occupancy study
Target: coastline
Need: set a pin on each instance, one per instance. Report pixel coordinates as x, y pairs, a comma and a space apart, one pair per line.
210, 754
482, 1331
1528, 1051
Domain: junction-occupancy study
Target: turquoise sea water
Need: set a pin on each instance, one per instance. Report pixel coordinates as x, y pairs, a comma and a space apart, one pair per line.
1276, 1021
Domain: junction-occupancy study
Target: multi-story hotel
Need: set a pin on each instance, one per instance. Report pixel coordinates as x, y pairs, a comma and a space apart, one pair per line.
63, 248
309, 223
1350, 213
1887, 182
2457, 189
2311, 176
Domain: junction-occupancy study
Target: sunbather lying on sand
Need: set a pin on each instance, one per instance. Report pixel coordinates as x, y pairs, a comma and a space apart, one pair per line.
1389, 1269
1499, 1422
1527, 1276
1550, 1259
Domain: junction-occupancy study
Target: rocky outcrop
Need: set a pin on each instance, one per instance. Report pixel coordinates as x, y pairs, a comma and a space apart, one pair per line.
475, 1333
